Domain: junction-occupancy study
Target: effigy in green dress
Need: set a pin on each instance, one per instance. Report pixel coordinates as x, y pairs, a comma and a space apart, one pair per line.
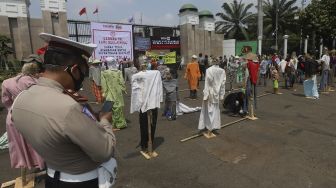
113, 86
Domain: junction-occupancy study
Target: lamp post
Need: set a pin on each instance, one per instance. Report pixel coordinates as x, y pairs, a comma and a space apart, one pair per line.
260, 26
285, 45
276, 24
306, 44
54, 16
29, 29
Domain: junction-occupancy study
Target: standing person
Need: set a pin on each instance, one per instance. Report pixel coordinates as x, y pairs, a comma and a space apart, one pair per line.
282, 65
130, 71
192, 74
293, 73
113, 87
310, 83
214, 91
201, 62
95, 77
325, 60
295, 62
300, 68
232, 71
225, 60
332, 71
65, 133
21, 153
206, 63
154, 63
170, 90
221, 62
263, 71
289, 73
275, 78
333, 62
240, 70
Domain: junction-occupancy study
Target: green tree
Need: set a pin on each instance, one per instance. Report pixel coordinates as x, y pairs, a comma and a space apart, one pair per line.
318, 20
235, 20
5, 50
286, 12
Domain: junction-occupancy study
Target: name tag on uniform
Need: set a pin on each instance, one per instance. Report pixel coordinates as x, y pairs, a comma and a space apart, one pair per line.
87, 112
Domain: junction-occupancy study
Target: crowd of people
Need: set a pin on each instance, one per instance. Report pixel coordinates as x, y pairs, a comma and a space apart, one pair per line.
293, 69
63, 124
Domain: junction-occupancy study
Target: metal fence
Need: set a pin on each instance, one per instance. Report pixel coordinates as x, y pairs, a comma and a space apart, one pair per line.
79, 31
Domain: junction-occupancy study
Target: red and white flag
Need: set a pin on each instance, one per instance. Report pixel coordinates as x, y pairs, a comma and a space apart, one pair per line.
83, 11
96, 11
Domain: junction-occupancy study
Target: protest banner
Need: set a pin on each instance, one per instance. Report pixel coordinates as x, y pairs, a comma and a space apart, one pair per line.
142, 43
113, 40
165, 42
168, 58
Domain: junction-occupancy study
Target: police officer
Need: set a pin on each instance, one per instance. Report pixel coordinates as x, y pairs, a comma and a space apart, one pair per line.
67, 135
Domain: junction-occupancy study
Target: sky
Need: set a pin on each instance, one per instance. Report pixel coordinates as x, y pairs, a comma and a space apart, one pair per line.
153, 12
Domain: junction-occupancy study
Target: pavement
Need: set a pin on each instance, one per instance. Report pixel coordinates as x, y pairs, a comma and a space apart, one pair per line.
291, 145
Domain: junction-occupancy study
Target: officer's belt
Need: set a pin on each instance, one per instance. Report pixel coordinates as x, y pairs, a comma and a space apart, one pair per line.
65, 177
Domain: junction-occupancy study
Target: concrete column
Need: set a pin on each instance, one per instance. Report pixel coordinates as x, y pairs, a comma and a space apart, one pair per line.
321, 48
285, 45
306, 45
259, 45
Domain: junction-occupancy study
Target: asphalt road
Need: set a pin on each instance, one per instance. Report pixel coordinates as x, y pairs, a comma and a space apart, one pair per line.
291, 145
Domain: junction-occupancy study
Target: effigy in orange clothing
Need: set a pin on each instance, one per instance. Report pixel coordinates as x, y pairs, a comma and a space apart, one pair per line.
192, 74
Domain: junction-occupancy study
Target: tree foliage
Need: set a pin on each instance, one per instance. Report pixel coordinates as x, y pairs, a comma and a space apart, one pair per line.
320, 16
235, 19
5, 50
286, 13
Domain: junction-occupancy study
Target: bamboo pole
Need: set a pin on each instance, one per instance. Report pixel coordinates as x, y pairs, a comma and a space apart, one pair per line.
225, 125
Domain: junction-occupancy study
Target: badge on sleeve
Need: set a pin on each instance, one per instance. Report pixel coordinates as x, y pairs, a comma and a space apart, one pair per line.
87, 112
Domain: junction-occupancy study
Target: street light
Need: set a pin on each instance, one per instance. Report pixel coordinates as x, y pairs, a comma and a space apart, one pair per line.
28, 22
260, 26
54, 16
276, 24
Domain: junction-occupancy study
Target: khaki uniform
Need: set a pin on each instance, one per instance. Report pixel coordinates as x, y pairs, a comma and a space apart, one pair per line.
54, 124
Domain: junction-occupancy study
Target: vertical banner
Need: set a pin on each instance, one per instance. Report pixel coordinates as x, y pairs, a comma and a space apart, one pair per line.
113, 40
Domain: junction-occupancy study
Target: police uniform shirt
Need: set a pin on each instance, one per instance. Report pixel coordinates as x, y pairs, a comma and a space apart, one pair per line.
68, 139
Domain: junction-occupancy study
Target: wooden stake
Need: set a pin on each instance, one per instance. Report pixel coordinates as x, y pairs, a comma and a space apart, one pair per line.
150, 154
201, 134
18, 180
209, 135
225, 125
150, 143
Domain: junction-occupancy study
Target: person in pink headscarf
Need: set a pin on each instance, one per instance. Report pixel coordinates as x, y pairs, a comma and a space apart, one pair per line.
22, 155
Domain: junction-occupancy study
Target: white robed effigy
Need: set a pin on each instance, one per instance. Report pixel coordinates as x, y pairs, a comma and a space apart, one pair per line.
214, 91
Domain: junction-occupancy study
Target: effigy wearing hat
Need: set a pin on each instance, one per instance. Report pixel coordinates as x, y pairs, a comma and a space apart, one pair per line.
96, 61
252, 56
32, 58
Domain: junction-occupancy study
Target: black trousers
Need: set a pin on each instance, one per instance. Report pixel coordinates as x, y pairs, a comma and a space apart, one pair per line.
202, 70
56, 183
143, 120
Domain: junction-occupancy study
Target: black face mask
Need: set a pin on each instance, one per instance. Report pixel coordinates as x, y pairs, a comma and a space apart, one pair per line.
78, 83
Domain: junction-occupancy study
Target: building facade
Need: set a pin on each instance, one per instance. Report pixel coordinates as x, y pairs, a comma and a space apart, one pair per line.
198, 33
15, 23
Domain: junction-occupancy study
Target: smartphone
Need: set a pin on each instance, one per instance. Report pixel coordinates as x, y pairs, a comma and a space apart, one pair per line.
107, 106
